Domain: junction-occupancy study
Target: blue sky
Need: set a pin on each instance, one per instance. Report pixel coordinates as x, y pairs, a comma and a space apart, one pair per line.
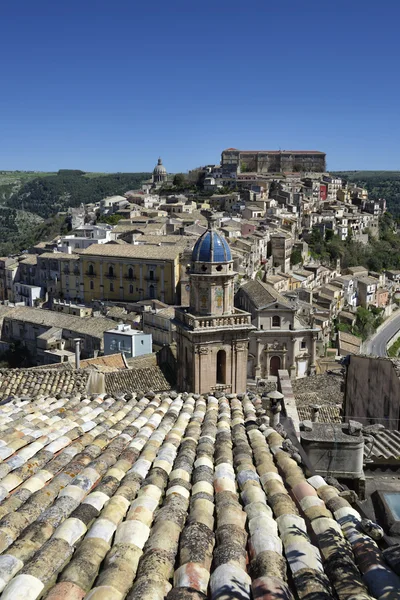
110, 86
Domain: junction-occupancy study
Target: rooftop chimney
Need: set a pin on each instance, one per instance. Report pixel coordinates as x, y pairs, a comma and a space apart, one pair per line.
77, 353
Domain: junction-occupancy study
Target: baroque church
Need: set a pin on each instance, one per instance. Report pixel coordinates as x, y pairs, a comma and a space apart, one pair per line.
212, 335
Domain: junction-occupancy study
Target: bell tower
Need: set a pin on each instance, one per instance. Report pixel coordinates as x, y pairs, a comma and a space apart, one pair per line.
212, 335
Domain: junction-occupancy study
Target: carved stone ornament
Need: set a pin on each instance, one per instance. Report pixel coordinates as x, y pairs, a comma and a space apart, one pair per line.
240, 347
202, 350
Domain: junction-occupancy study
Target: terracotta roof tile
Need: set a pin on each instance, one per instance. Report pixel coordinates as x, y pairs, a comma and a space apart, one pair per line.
115, 361
170, 496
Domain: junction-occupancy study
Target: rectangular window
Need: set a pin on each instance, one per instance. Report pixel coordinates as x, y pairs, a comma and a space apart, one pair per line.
111, 287
303, 345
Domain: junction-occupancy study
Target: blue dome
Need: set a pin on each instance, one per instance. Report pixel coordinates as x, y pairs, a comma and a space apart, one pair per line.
211, 247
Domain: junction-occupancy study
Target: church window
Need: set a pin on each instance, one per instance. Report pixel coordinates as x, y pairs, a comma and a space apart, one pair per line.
111, 287
130, 273
91, 285
204, 268
91, 270
219, 268
151, 291
276, 321
303, 345
131, 289
221, 366
111, 271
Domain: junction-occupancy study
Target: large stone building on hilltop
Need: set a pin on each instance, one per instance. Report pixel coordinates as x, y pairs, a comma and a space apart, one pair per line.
273, 161
212, 335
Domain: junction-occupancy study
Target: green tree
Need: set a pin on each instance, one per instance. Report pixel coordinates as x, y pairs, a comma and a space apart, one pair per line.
296, 257
179, 180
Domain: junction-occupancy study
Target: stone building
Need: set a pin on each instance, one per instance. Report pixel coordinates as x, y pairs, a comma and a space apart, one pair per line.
212, 335
272, 161
159, 173
280, 340
281, 250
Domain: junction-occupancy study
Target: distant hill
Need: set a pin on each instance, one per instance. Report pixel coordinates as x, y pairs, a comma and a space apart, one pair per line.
380, 184
49, 193
30, 201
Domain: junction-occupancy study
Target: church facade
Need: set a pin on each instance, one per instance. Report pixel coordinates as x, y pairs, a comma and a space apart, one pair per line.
212, 335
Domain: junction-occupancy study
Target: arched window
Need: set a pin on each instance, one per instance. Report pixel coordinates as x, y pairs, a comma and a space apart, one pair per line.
151, 275
130, 273
111, 287
91, 270
111, 271
131, 289
276, 321
152, 291
91, 285
221, 366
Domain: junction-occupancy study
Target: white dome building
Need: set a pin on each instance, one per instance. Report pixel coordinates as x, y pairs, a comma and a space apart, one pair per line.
159, 173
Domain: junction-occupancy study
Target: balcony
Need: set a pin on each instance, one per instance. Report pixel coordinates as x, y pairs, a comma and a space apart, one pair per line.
238, 319
128, 278
91, 273
108, 276
151, 279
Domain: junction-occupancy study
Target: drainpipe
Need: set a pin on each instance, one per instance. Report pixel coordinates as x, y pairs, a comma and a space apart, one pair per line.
77, 352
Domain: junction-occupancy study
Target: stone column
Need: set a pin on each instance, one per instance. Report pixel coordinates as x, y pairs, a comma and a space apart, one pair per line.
226, 298
257, 366
293, 369
313, 354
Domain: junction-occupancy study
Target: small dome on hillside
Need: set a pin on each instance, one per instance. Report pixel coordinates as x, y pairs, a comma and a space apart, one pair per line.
159, 168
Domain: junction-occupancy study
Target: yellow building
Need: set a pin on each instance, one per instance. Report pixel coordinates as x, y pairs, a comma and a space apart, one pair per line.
130, 273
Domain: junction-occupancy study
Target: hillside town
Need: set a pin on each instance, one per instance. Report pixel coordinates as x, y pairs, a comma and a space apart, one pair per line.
191, 406
127, 259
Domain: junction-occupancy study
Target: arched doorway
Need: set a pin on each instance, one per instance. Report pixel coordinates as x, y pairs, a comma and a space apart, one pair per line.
221, 366
274, 365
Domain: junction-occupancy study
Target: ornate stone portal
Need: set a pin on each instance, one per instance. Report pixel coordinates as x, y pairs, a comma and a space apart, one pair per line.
212, 335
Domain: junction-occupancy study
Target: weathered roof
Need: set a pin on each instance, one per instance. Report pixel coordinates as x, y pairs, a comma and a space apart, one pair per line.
29, 259
328, 413
40, 382
60, 255
262, 294
170, 496
133, 251
327, 387
94, 327
383, 446
111, 361
137, 379
348, 343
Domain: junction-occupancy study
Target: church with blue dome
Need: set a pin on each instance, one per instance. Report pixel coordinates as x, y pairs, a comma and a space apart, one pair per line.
211, 247
212, 335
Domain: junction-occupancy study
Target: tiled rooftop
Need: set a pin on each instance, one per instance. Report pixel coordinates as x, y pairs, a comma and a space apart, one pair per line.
171, 496
37, 316
134, 251
40, 382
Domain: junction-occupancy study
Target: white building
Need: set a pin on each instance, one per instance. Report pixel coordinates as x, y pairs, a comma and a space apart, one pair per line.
28, 294
127, 340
